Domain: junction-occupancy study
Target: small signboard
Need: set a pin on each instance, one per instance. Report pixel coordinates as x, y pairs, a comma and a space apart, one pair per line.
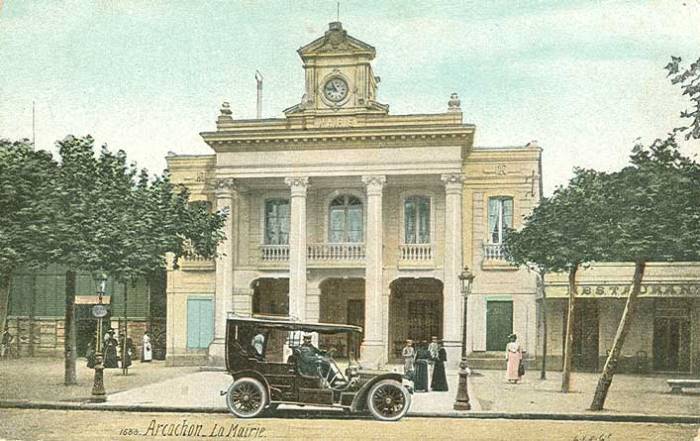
99, 311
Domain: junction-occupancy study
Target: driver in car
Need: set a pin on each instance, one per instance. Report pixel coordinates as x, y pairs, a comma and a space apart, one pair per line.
314, 361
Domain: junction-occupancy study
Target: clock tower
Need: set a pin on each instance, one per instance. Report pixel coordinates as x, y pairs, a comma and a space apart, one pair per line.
338, 76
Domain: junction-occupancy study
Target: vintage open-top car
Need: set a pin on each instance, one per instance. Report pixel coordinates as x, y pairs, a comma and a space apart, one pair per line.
270, 366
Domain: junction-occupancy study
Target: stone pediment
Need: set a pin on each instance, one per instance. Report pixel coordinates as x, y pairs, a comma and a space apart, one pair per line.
336, 41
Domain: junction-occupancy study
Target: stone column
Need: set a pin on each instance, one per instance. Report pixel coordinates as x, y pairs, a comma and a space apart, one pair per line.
453, 302
297, 247
372, 351
223, 296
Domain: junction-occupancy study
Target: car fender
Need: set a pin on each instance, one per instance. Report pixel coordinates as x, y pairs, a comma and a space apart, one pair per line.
360, 401
253, 374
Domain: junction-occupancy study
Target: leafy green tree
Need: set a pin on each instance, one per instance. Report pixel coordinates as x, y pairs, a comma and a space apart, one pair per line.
26, 182
656, 217
560, 235
111, 218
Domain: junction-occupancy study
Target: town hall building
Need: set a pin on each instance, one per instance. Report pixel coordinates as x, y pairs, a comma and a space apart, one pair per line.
342, 212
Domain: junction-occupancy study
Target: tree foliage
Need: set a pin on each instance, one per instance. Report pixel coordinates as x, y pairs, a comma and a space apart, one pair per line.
26, 183
688, 79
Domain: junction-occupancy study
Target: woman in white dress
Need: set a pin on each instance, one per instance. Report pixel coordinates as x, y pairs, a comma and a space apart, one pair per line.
147, 350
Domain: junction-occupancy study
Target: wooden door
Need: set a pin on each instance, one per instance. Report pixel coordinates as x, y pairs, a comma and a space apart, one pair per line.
499, 324
672, 344
423, 320
585, 349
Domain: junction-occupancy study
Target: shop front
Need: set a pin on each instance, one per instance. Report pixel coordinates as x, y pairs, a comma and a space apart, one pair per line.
664, 335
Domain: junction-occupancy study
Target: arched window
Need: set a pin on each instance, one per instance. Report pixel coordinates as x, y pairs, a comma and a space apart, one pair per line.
416, 210
277, 222
345, 220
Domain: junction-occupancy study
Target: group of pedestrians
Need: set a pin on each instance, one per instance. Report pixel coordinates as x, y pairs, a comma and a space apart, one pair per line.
425, 364
115, 350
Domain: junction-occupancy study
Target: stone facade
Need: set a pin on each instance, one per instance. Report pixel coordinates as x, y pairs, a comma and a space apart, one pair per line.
342, 212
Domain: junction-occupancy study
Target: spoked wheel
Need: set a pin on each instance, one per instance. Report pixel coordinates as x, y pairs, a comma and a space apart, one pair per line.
246, 398
388, 400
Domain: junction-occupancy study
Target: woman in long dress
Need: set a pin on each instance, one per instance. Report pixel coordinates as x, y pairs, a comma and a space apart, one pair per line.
408, 354
146, 350
420, 380
514, 355
110, 352
439, 381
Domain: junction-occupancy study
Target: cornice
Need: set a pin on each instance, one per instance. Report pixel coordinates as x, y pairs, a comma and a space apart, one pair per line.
321, 138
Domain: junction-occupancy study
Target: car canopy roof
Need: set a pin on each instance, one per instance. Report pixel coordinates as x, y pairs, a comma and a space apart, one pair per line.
285, 323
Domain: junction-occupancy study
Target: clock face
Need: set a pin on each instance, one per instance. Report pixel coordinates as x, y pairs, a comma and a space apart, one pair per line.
335, 89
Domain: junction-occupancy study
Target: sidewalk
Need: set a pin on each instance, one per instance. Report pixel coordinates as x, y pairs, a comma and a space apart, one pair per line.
631, 398
41, 378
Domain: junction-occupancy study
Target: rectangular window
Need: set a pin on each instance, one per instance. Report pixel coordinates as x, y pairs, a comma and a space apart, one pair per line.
500, 218
277, 219
200, 323
417, 220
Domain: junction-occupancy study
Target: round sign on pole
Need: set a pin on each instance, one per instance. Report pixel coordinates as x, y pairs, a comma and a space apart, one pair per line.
99, 311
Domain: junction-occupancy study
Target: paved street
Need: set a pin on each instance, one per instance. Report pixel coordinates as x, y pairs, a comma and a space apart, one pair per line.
94, 425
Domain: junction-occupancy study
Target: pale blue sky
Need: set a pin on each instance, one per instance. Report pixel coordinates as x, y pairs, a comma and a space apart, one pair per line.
584, 78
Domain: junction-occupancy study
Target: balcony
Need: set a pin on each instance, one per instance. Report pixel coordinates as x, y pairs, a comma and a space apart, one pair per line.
494, 251
317, 254
274, 253
416, 255
336, 253
495, 258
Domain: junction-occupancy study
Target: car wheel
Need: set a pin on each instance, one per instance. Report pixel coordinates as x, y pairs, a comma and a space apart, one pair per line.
388, 400
246, 397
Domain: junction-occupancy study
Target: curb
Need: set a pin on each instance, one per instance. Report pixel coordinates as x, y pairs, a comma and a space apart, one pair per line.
610, 417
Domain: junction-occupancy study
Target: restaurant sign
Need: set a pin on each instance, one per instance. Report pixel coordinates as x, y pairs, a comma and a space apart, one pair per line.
623, 290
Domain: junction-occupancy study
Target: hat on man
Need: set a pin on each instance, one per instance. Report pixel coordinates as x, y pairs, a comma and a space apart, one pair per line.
307, 337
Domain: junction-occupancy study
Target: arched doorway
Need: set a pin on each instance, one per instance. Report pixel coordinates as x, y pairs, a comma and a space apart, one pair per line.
342, 301
271, 296
415, 312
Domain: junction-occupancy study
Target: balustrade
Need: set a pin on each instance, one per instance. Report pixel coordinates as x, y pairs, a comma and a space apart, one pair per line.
494, 251
416, 252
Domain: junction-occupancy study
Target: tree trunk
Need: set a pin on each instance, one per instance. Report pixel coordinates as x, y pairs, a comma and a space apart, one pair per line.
543, 299
69, 332
5, 283
569, 342
32, 316
606, 377
125, 369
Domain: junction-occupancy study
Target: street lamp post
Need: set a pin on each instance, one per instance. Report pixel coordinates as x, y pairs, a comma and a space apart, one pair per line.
98, 386
466, 277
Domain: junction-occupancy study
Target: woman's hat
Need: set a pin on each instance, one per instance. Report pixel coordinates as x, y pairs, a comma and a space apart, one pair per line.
512, 336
